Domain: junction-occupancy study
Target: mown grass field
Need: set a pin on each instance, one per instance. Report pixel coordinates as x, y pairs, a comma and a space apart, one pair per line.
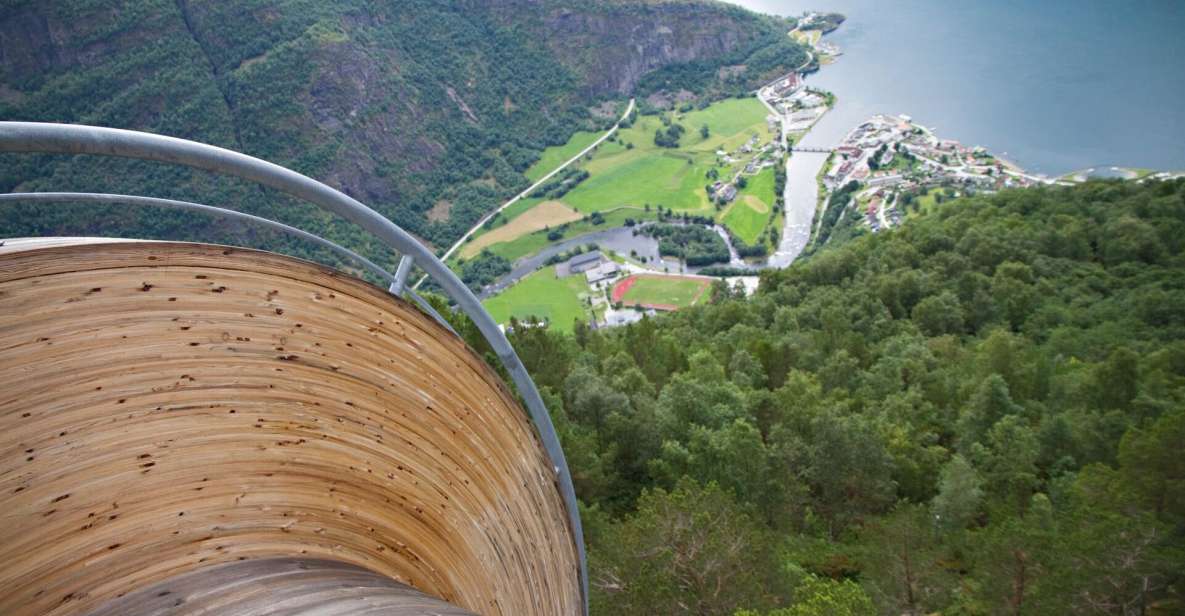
749, 215
540, 217
624, 180
557, 155
662, 292
671, 177
730, 122
541, 294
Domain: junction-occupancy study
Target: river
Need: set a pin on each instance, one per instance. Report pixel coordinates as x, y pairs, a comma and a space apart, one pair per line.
801, 197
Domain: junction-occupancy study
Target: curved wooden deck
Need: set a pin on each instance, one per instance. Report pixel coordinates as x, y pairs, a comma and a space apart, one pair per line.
166, 407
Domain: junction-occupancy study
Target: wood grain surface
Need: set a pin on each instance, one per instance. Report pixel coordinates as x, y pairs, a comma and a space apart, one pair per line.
279, 587
166, 407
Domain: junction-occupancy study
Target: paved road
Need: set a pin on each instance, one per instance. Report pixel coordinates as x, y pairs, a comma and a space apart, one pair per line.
619, 239
628, 110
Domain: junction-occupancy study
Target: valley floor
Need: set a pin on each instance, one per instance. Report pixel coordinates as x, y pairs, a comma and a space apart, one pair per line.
722, 170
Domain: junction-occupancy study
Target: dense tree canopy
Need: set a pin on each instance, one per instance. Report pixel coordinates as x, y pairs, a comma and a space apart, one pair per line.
981, 412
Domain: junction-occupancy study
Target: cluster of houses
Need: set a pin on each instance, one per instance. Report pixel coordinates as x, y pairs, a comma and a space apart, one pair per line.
799, 106
722, 192
760, 156
785, 86
881, 211
873, 154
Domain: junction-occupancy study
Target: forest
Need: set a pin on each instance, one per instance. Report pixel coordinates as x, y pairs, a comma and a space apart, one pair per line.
837, 204
695, 244
981, 412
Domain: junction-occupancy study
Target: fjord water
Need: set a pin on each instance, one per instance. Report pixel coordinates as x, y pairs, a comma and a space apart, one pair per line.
1054, 85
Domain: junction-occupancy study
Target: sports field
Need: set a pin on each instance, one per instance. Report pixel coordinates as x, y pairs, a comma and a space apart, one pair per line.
560, 301
659, 292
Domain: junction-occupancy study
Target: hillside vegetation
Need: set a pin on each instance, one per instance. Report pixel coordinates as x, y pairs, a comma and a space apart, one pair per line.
980, 413
415, 107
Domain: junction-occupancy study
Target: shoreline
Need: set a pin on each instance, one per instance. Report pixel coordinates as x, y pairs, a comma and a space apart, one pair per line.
910, 161
798, 221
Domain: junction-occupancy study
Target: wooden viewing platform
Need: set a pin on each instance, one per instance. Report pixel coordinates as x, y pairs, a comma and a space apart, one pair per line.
169, 409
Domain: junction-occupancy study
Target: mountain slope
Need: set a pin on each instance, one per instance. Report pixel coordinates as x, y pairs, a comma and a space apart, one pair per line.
411, 106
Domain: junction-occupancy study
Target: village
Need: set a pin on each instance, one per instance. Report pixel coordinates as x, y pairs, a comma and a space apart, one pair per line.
794, 105
893, 160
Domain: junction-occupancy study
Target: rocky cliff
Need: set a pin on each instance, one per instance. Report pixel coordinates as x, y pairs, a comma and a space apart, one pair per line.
612, 45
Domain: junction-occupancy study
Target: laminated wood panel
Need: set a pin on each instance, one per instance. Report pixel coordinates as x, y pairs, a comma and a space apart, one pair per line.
166, 407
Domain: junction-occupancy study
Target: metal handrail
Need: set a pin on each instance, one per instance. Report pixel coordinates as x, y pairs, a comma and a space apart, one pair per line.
34, 137
228, 214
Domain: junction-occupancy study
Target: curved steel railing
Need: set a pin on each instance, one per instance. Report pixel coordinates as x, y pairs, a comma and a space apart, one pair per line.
226, 214
33, 137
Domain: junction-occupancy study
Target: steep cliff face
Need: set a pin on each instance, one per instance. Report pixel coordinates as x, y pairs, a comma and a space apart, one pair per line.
402, 104
612, 45
640, 45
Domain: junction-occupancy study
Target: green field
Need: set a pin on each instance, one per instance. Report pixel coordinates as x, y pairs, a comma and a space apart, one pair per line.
623, 180
671, 177
750, 213
639, 176
745, 222
559, 154
675, 177
657, 290
541, 294
730, 121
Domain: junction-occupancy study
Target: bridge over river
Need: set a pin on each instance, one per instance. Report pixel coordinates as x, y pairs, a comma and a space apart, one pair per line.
813, 150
